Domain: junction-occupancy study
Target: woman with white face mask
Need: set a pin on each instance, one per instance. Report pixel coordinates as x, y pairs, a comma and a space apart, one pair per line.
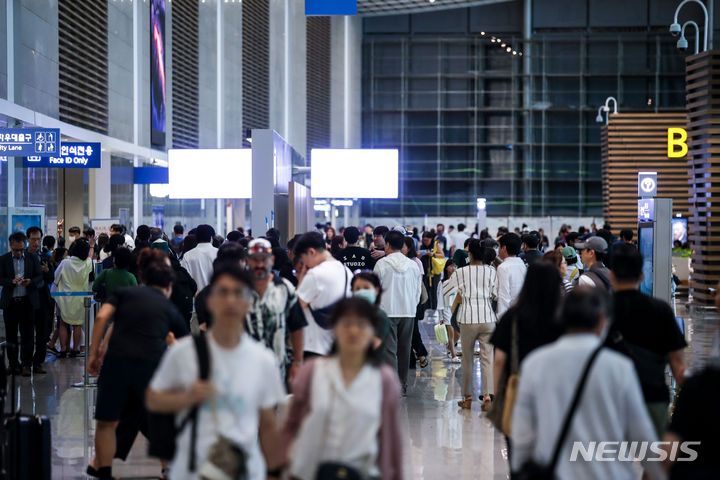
367, 285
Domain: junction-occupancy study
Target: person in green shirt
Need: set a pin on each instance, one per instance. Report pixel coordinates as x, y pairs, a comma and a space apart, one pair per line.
116, 277
367, 285
460, 257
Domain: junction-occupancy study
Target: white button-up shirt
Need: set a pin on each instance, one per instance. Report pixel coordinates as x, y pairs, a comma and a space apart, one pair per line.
199, 263
19, 265
511, 276
611, 409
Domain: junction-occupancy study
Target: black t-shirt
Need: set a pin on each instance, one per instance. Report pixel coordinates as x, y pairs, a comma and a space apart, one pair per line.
530, 336
649, 324
356, 258
697, 419
531, 256
203, 314
143, 317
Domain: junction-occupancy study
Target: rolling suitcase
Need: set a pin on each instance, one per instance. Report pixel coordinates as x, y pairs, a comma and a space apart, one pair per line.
26, 445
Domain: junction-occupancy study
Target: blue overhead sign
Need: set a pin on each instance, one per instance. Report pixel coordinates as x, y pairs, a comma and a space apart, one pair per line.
150, 175
24, 142
72, 155
330, 7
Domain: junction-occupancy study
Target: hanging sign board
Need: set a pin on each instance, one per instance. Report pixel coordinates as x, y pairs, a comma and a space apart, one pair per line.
24, 142
72, 155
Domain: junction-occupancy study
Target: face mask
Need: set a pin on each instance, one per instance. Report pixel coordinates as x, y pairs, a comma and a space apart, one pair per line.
369, 295
73, 238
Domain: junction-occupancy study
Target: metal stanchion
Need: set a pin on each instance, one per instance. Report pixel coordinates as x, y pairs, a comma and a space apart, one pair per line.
87, 303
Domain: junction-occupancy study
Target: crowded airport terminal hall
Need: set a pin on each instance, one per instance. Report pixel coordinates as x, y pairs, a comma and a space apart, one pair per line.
359, 239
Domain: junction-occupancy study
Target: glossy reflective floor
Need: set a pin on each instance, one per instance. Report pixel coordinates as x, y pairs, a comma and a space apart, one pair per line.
443, 442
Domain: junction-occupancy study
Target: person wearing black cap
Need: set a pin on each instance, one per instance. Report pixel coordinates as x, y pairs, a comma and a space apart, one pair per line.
354, 256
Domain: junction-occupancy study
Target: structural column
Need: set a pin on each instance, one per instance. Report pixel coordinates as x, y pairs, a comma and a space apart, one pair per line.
702, 78
346, 82
99, 189
71, 201
288, 72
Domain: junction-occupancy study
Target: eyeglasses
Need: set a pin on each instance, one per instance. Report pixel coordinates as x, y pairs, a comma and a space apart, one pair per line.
236, 293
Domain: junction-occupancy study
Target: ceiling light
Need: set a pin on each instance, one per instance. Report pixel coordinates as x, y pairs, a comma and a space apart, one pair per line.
520, 53
503, 45
482, 33
514, 52
508, 49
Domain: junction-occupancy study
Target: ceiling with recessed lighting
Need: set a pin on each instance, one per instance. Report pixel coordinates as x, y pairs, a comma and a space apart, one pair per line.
386, 7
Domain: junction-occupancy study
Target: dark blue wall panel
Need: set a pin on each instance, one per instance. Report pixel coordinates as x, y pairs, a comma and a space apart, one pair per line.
560, 13
388, 24
618, 13
500, 17
442, 21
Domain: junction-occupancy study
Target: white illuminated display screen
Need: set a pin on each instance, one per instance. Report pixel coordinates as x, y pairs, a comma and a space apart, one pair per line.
210, 173
354, 173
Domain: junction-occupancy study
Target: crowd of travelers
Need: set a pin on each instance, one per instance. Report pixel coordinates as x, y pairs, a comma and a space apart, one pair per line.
200, 339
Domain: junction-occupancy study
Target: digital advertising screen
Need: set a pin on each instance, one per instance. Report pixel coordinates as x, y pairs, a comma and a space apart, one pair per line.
680, 230
645, 243
157, 71
210, 173
353, 173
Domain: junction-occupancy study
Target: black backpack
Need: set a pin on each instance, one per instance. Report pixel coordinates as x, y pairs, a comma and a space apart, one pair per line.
163, 432
183, 292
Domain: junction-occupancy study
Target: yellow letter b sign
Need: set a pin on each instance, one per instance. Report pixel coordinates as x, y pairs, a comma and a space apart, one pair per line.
677, 137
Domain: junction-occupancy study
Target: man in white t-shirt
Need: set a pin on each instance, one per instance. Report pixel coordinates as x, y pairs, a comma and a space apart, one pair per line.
239, 400
322, 282
199, 261
458, 238
510, 273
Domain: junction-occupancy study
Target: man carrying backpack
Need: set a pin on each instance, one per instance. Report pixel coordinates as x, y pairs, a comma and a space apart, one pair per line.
644, 328
592, 255
275, 315
229, 389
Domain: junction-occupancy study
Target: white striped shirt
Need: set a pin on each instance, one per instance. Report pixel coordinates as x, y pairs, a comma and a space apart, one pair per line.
478, 286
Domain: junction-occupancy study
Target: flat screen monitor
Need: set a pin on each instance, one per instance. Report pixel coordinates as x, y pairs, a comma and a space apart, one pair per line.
645, 242
210, 173
354, 173
679, 230
157, 72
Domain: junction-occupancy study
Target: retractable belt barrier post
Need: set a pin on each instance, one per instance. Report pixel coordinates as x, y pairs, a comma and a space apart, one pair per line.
87, 303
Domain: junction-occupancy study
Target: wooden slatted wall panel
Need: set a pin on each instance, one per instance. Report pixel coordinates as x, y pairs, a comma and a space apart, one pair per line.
185, 74
318, 83
637, 142
703, 106
256, 64
83, 55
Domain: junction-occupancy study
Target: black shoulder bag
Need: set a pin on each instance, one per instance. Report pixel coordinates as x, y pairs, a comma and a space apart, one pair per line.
532, 470
322, 315
164, 433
